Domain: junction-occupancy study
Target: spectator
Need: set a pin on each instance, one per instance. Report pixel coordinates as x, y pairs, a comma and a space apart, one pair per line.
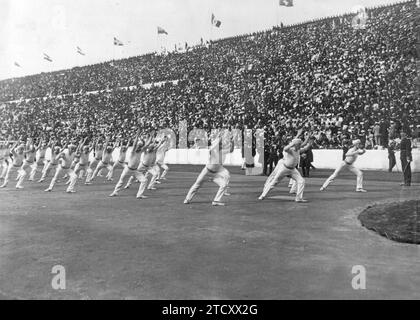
377, 134
391, 156
307, 75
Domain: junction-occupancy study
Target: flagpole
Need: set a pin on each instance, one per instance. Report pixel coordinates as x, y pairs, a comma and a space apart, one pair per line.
157, 42
211, 33
113, 52
211, 30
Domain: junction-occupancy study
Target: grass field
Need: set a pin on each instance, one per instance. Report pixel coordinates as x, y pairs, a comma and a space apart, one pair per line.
159, 248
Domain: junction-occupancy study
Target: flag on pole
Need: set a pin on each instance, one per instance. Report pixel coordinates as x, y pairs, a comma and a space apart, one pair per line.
117, 42
47, 57
17, 65
286, 3
160, 30
79, 51
215, 22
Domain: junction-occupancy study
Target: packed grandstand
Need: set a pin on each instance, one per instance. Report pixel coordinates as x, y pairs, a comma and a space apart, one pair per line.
326, 75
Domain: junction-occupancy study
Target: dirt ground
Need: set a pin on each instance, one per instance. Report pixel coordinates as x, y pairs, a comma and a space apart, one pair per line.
159, 248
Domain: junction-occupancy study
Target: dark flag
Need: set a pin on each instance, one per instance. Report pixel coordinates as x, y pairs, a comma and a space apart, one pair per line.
117, 42
160, 30
215, 22
79, 51
47, 57
286, 3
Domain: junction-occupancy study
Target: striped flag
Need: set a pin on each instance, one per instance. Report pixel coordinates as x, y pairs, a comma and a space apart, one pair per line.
118, 42
286, 3
47, 57
79, 51
215, 22
17, 65
160, 30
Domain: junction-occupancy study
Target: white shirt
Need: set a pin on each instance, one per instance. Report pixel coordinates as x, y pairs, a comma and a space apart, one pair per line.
17, 158
350, 159
216, 156
160, 155
134, 159
291, 158
68, 158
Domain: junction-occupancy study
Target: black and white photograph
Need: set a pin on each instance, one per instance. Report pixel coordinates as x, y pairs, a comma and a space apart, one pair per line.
227, 152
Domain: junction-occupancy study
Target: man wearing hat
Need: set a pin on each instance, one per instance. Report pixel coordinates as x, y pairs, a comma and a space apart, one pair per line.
406, 158
348, 162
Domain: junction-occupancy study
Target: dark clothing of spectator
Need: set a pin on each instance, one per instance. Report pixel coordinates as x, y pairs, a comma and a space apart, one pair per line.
306, 159
271, 161
391, 157
406, 159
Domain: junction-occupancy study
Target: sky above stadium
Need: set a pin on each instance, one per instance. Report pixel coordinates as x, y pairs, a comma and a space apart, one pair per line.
29, 28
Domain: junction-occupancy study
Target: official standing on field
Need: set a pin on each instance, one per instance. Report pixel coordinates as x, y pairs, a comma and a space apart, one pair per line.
391, 156
406, 158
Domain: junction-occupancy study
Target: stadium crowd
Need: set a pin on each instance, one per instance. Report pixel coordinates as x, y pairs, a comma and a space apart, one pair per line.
336, 80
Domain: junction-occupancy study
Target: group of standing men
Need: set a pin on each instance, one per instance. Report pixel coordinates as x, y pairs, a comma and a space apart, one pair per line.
75, 161
406, 158
146, 157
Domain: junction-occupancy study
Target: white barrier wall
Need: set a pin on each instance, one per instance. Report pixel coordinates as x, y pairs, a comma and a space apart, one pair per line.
323, 159
371, 160
200, 156
184, 156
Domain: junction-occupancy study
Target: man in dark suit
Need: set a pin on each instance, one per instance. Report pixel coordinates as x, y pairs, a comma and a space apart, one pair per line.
306, 159
345, 146
406, 158
273, 158
391, 156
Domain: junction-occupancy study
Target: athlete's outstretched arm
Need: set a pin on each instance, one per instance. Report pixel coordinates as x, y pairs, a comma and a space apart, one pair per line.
106, 142
298, 134
12, 149
352, 153
362, 151
39, 144
306, 144
231, 147
288, 147
81, 144
148, 141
